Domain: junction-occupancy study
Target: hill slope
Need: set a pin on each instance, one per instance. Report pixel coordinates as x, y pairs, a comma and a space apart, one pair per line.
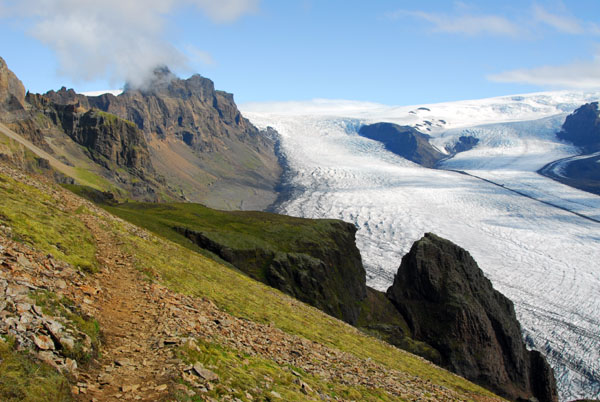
171, 316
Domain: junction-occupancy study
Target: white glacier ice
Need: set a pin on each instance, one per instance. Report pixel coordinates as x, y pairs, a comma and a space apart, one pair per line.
516, 223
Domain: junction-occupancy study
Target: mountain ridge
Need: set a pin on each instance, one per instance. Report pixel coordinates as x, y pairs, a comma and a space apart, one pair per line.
181, 146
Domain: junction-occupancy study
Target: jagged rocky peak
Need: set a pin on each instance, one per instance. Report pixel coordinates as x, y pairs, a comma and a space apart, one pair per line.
164, 82
12, 91
582, 127
449, 304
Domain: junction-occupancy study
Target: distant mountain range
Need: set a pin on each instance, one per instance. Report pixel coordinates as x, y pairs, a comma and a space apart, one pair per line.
174, 140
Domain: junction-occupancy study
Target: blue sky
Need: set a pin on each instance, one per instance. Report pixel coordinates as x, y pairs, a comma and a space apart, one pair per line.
392, 52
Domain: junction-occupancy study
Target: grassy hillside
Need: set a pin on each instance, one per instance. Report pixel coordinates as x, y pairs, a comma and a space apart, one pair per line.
265, 232
48, 219
236, 230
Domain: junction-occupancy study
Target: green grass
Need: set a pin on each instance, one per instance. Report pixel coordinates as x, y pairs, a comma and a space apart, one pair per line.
93, 180
245, 230
241, 374
23, 378
37, 219
112, 119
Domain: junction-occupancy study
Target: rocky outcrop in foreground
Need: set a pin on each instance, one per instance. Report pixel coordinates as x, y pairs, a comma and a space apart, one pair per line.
449, 304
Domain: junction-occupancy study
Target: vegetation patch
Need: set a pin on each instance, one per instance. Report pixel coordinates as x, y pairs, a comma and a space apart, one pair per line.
254, 378
37, 219
245, 230
24, 378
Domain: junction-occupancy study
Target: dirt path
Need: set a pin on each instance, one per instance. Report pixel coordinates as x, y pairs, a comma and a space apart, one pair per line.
133, 366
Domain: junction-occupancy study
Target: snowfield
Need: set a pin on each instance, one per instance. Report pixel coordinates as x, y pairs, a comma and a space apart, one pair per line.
537, 240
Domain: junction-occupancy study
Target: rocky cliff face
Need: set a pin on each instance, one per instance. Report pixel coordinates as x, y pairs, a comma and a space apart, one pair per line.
190, 125
114, 144
12, 91
582, 128
329, 278
449, 304
191, 110
404, 141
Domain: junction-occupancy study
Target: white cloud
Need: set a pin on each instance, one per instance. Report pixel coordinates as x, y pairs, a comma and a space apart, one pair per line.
576, 75
465, 20
561, 23
199, 56
123, 40
468, 24
226, 10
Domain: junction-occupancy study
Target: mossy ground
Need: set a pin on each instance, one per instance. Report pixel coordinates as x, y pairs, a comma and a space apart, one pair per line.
24, 378
235, 229
241, 375
38, 219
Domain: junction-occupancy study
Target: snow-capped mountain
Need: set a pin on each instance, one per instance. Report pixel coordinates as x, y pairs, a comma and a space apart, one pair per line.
536, 239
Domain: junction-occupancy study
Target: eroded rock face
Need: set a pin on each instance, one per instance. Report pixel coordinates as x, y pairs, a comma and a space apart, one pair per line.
189, 109
12, 91
449, 304
329, 278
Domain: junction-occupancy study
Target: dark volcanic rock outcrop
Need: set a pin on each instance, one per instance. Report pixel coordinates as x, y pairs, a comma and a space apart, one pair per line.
404, 141
464, 143
326, 273
582, 128
449, 304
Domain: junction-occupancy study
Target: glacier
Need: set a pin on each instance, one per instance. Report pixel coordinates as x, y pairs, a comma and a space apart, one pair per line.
537, 240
